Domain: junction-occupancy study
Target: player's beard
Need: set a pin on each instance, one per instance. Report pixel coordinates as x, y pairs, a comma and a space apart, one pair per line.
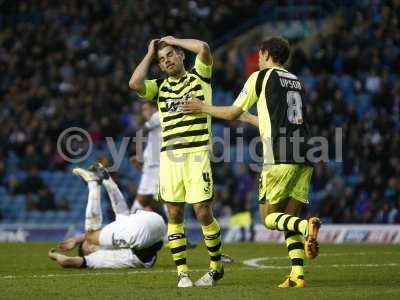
176, 71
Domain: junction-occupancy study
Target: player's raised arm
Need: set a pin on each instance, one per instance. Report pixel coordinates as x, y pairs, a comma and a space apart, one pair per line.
137, 81
196, 46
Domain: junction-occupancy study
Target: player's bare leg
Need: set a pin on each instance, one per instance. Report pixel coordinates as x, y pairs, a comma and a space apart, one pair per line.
178, 242
212, 239
266, 208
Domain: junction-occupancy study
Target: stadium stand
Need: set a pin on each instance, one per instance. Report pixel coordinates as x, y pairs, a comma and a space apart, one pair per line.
67, 64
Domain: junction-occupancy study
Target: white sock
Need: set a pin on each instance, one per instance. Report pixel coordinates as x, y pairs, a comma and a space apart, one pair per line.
93, 216
136, 206
118, 203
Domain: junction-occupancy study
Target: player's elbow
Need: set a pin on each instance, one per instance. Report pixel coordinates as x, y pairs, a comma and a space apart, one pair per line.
136, 85
205, 47
234, 114
133, 85
231, 117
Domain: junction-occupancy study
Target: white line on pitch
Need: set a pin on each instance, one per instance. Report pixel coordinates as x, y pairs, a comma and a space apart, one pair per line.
250, 264
248, 267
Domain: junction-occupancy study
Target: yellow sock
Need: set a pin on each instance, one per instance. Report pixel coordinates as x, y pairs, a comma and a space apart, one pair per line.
285, 222
212, 239
177, 244
295, 245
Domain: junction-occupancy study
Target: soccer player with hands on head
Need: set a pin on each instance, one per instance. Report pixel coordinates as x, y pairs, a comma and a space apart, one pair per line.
185, 170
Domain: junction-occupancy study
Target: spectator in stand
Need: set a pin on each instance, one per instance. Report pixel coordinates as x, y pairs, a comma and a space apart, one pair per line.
46, 200
75, 69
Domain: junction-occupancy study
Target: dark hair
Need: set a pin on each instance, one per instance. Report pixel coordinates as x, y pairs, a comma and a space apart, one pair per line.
161, 45
278, 48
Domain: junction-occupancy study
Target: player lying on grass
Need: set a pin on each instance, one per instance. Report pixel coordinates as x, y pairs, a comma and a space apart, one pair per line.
131, 241
286, 175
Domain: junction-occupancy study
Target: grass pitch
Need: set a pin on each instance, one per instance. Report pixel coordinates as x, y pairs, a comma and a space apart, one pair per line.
341, 272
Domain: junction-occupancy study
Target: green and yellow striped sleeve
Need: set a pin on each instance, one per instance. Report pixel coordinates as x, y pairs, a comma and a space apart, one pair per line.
248, 95
151, 89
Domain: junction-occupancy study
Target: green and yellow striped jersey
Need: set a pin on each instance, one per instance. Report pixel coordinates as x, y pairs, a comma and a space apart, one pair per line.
183, 133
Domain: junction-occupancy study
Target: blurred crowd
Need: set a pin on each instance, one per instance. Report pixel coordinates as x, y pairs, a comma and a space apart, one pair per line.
353, 79
67, 63
351, 76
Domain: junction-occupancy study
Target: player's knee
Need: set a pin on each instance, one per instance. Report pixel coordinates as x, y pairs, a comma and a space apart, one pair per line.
175, 216
205, 218
263, 213
204, 215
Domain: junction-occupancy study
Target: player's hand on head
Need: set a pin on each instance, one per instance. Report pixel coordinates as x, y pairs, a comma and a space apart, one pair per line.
152, 49
66, 245
169, 39
194, 105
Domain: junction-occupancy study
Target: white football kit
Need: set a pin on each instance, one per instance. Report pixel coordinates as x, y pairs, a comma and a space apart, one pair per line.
151, 166
120, 240
132, 240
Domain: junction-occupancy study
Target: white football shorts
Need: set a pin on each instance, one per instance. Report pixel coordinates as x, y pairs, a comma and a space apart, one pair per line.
150, 181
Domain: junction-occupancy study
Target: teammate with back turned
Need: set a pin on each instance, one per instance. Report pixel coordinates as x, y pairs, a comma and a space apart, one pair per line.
185, 171
287, 171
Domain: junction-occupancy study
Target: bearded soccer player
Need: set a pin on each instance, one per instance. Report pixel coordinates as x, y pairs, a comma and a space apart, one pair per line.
286, 175
185, 171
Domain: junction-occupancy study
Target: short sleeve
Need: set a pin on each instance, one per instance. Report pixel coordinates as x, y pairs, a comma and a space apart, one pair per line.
151, 91
204, 71
154, 122
248, 95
